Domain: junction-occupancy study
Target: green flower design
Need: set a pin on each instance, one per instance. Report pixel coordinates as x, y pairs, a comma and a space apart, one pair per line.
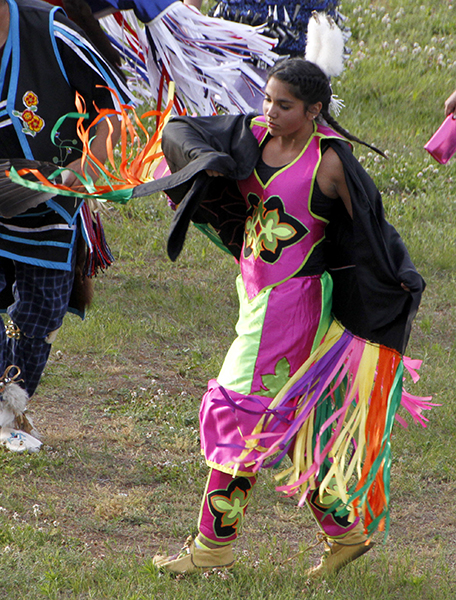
269, 229
232, 508
264, 230
274, 382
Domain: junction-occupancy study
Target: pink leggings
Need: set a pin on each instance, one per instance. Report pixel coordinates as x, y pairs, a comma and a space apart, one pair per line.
225, 502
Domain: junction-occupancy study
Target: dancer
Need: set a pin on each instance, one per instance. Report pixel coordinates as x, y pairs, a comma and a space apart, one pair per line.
217, 64
327, 293
45, 60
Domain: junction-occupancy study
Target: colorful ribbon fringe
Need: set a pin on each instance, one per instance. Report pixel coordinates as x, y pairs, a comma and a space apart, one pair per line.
139, 159
340, 407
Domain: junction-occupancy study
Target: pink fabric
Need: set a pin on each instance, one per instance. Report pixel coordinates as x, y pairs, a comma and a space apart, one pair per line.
224, 527
331, 524
224, 425
414, 405
442, 144
224, 505
289, 192
290, 326
289, 330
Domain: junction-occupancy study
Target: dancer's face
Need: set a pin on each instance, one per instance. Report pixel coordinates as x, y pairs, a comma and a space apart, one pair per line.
285, 114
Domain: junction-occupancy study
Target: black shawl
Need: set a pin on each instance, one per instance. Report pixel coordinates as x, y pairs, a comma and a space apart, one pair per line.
366, 257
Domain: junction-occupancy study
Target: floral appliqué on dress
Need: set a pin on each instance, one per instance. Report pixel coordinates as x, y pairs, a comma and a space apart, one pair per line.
228, 506
269, 229
31, 122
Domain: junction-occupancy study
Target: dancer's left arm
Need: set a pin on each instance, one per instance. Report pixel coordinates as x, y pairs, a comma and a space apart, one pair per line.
331, 179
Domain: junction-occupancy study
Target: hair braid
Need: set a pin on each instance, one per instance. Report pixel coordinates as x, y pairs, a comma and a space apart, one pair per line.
310, 84
335, 125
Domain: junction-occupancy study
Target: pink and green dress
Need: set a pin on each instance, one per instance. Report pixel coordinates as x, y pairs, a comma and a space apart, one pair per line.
294, 380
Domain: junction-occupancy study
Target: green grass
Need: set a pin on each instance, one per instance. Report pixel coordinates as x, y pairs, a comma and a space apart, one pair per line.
121, 476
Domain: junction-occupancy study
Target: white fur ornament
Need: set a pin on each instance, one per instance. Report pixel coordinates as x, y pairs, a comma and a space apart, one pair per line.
325, 48
13, 404
325, 44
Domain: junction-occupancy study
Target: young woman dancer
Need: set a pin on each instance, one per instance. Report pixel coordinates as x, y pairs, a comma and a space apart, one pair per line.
315, 370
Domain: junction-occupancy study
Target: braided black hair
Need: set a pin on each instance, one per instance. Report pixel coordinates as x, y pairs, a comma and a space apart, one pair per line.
310, 84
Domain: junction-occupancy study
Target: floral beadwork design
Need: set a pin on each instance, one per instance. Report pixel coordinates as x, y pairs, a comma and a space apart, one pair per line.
31, 122
269, 229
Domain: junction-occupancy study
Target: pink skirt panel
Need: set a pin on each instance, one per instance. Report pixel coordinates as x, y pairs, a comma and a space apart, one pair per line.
293, 321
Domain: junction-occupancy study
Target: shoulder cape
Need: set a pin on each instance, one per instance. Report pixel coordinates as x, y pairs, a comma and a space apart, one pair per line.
366, 256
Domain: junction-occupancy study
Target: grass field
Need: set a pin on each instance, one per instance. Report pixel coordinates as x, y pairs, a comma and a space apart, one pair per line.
120, 475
